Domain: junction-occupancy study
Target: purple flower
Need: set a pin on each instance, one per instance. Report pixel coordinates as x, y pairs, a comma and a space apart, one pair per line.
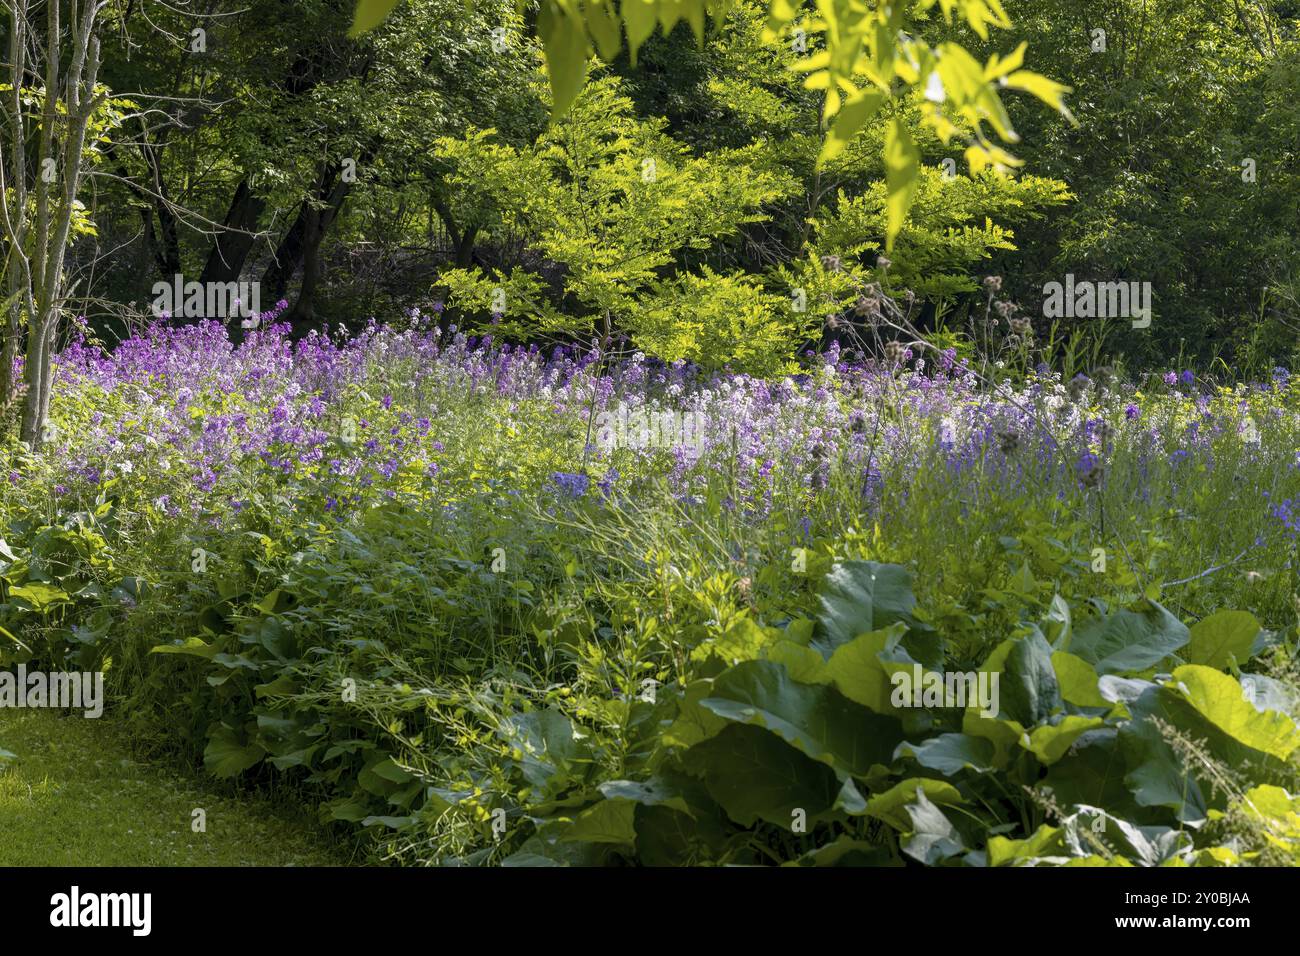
573, 485
1188, 377
1132, 412
1285, 513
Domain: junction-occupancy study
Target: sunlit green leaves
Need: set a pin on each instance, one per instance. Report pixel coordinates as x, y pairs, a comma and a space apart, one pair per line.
857, 41
369, 14
1222, 638
901, 161
563, 33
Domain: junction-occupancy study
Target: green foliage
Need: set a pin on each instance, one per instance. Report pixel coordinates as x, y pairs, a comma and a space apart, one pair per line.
770, 760
957, 96
624, 212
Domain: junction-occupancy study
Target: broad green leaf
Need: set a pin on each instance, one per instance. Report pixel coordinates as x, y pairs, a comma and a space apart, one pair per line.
40, 595
902, 161
817, 720
950, 753
1221, 638
609, 821
1056, 625
859, 597
226, 755
1219, 698
1050, 742
932, 838
694, 723
369, 14
655, 792
192, 646
564, 41
1126, 642
1156, 776
1028, 692
890, 806
804, 664
852, 116
861, 669
754, 775
1045, 842
640, 17
1092, 772
1077, 680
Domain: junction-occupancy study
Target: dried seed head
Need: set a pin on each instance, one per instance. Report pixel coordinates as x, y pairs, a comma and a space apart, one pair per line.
895, 353
867, 306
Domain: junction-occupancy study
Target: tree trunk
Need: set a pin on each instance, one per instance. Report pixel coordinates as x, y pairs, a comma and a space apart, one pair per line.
232, 246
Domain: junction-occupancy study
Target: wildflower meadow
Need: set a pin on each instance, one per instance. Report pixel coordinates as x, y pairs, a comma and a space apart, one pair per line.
424, 446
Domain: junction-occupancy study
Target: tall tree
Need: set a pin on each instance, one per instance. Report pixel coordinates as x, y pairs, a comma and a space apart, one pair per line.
51, 97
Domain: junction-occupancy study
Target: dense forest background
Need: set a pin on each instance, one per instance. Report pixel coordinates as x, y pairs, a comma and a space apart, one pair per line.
353, 179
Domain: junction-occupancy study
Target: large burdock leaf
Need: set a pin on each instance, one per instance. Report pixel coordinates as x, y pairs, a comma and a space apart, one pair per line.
1092, 773
1089, 829
933, 838
1077, 680
40, 596
1220, 699
1047, 845
1129, 641
609, 821
863, 596
192, 646
754, 775
891, 806
227, 754
545, 745
950, 754
816, 719
1028, 692
1221, 638
862, 669
1156, 776
655, 792
1050, 742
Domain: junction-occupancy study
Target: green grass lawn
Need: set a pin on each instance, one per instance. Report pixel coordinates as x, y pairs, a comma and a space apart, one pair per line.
75, 797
